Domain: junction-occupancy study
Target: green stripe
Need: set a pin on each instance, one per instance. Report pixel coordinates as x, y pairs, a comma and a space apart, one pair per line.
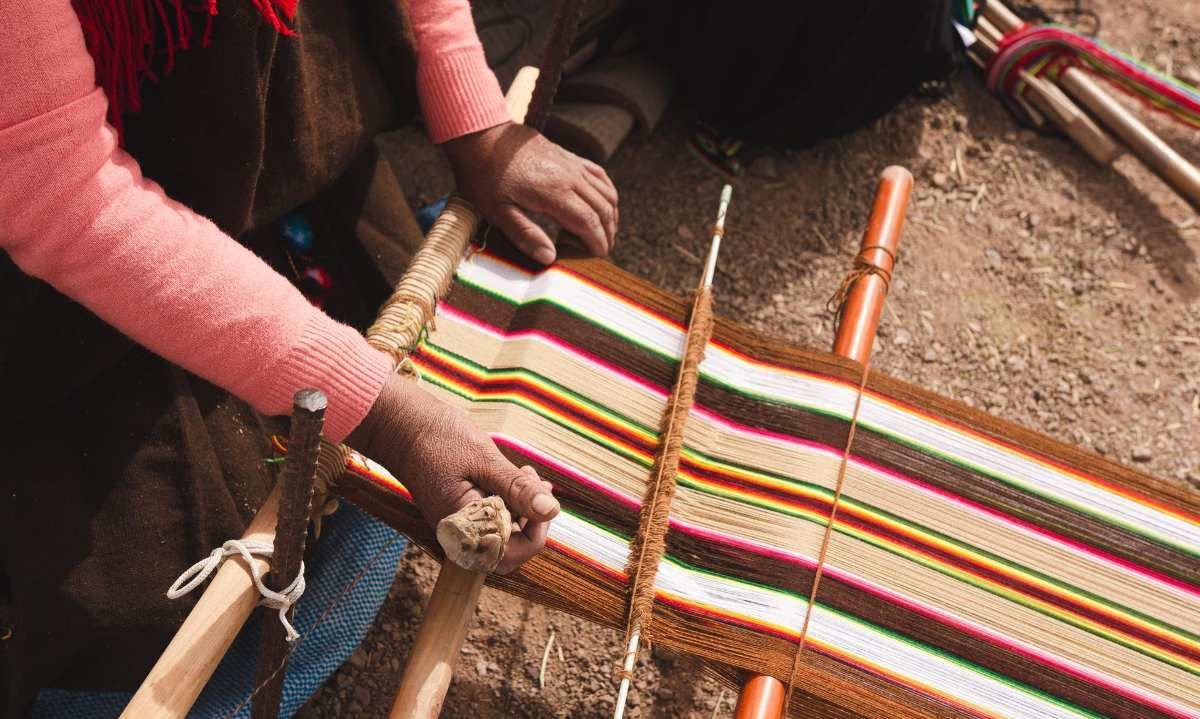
1095, 512
896, 550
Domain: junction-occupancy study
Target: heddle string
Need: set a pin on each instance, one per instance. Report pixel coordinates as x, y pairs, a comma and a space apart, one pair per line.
649, 543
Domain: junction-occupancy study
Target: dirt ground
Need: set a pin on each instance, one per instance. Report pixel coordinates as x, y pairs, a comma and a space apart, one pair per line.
1031, 283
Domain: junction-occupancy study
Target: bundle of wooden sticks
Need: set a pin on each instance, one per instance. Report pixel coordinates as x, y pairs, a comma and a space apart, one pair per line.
1058, 86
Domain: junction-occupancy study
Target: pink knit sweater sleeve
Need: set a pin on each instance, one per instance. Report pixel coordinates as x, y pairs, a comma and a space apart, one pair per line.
76, 212
459, 94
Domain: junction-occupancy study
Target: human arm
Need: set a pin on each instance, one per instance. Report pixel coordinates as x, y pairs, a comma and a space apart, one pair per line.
76, 212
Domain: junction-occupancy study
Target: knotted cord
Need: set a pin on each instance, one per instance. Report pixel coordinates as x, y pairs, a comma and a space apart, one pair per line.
199, 572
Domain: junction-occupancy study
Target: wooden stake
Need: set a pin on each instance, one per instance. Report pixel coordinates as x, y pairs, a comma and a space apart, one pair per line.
291, 530
763, 696
1160, 157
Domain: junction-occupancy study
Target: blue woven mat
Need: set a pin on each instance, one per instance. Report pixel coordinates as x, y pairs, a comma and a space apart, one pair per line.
350, 540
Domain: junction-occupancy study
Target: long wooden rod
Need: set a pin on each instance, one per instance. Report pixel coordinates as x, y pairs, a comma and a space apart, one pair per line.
179, 675
1172, 167
430, 667
763, 696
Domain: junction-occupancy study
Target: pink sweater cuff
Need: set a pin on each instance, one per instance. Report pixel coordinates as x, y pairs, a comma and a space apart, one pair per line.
459, 94
338, 361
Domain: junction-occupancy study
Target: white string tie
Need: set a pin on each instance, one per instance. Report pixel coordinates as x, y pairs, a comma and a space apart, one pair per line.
196, 575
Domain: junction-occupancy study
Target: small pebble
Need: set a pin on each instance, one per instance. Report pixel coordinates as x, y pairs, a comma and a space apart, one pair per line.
685, 232
362, 695
941, 180
1142, 454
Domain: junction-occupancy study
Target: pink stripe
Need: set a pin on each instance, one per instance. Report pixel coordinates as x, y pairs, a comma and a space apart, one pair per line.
1097, 554
864, 585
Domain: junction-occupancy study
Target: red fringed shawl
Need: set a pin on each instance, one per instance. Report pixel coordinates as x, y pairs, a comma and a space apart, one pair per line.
132, 40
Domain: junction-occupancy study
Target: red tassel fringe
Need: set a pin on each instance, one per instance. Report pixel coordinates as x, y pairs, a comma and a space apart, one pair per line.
130, 39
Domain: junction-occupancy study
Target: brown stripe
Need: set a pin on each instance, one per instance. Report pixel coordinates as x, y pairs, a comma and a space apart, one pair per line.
830, 432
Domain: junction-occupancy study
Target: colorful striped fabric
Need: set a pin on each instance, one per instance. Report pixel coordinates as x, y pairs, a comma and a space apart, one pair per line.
975, 568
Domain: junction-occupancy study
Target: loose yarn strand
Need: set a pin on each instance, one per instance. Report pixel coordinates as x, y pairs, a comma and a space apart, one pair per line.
827, 535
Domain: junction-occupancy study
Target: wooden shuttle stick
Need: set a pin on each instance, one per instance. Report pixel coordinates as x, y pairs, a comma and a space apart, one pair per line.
763, 696
451, 606
656, 512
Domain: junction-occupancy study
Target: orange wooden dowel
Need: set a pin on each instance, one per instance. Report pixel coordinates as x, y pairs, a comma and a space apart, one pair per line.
763, 696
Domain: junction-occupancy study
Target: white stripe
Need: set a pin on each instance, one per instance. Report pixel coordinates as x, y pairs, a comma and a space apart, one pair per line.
912, 663
653, 333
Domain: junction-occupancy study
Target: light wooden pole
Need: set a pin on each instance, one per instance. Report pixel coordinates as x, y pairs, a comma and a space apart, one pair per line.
1160, 157
763, 696
452, 604
179, 675
1173, 168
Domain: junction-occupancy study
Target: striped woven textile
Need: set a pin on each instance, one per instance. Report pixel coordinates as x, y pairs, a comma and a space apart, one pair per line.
975, 568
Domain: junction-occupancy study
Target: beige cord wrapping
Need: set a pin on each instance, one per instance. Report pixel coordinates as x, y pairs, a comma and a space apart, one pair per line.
404, 316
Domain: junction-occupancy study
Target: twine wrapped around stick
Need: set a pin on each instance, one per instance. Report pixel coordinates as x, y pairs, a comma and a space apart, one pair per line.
403, 319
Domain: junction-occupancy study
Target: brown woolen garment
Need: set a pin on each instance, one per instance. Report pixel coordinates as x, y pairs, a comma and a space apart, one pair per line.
121, 470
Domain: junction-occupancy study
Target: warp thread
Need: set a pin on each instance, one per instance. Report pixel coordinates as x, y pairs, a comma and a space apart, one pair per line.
1046, 50
650, 542
196, 575
828, 534
862, 267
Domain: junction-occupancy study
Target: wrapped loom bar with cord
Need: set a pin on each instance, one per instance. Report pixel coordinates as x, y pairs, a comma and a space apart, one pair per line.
859, 305
1030, 63
975, 568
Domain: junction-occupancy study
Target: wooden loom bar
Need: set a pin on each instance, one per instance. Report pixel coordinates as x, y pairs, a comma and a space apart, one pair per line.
763, 696
452, 603
864, 304
179, 675
296, 488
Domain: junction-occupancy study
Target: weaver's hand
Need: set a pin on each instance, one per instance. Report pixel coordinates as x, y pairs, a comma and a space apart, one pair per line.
508, 170
447, 462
